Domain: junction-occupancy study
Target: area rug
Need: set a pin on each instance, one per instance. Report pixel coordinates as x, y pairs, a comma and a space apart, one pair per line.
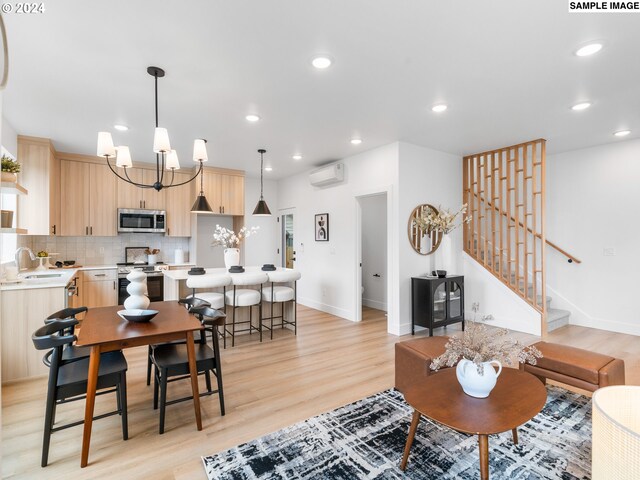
365, 440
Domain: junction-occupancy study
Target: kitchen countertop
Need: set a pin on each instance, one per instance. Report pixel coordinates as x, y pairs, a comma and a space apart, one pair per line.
65, 276
182, 274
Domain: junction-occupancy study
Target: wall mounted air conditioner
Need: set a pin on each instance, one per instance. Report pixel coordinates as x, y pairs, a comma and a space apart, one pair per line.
327, 175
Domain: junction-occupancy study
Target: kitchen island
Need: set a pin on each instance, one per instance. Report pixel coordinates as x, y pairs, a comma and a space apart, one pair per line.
175, 288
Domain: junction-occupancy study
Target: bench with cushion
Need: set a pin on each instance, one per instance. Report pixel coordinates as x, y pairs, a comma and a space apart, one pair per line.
576, 367
413, 360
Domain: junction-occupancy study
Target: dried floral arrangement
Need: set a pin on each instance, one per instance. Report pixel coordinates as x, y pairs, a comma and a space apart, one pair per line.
479, 344
443, 220
9, 164
224, 237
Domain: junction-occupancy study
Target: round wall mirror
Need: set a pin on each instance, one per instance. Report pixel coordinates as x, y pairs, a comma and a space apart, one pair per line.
422, 241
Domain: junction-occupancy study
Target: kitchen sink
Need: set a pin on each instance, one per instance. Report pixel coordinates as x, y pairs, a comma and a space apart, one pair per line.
42, 275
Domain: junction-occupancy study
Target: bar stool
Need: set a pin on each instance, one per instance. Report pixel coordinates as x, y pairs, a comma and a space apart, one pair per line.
281, 294
209, 281
244, 297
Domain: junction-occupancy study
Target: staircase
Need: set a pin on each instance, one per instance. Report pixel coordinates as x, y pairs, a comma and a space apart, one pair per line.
504, 190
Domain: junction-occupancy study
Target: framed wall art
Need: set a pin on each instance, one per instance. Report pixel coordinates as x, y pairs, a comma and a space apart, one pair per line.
322, 227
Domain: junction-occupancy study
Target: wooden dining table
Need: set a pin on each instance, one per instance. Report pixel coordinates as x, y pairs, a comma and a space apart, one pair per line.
104, 331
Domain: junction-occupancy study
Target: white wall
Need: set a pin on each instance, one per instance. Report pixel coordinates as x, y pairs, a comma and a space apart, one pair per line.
593, 197
329, 268
426, 176
374, 250
410, 175
496, 299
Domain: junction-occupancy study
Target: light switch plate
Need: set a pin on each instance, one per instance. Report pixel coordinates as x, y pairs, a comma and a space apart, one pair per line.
609, 252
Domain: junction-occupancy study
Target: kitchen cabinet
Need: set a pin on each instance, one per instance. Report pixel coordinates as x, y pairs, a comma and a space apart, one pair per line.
224, 190
130, 196
88, 199
39, 213
22, 312
100, 288
179, 201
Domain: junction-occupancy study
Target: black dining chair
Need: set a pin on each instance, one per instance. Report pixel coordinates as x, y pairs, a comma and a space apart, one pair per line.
171, 362
70, 351
68, 378
189, 303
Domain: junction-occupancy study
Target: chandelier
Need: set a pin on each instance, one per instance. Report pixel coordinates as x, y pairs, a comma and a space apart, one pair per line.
166, 158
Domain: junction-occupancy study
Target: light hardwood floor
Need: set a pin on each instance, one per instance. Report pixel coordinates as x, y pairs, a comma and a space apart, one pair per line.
267, 386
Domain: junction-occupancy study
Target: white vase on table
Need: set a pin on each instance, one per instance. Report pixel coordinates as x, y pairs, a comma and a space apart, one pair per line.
231, 257
476, 384
443, 258
137, 290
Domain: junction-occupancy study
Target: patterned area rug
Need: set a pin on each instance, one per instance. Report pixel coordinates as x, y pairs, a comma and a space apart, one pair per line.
366, 439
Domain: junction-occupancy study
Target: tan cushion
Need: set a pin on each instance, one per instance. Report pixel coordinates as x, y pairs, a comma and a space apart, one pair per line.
430, 347
413, 360
571, 361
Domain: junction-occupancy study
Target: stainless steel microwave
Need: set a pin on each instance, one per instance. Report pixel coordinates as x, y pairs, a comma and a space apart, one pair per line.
143, 221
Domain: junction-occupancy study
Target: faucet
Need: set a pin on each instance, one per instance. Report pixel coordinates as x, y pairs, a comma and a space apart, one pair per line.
19, 251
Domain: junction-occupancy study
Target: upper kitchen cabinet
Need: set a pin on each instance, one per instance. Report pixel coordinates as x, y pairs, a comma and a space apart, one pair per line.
179, 201
39, 213
224, 190
130, 196
88, 199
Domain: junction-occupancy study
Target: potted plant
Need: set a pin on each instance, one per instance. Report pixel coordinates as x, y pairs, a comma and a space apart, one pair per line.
475, 352
224, 237
10, 168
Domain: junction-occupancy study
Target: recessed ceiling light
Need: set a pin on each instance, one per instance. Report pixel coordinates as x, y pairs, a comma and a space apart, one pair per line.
356, 141
268, 169
321, 62
297, 156
252, 117
122, 128
441, 107
589, 49
581, 106
622, 133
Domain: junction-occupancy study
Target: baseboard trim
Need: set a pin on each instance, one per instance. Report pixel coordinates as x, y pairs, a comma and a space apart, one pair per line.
367, 302
323, 307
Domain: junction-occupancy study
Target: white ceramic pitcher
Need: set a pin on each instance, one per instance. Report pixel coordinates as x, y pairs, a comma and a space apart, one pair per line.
475, 384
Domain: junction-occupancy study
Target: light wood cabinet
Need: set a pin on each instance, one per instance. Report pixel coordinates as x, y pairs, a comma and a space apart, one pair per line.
100, 288
22, 313
179, 201
130, 196
39, 212
224, 191
88, 199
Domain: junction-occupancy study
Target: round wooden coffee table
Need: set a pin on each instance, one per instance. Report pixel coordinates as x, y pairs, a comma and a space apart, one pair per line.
517, 398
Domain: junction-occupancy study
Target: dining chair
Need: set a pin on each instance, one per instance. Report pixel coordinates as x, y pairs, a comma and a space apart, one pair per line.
188, 303
172, 364
68, 378
70, 351
281, 294
244, 297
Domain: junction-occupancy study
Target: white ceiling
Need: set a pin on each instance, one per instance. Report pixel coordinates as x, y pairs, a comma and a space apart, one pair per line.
505, 68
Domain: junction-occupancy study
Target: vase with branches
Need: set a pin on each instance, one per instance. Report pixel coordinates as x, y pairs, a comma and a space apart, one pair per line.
230, 240
475, 352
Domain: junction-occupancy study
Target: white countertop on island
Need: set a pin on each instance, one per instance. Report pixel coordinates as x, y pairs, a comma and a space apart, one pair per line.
183, 274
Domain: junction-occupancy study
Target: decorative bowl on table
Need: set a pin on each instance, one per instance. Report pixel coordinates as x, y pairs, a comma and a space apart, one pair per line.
236, 269
138, 315
268, 267
196, 271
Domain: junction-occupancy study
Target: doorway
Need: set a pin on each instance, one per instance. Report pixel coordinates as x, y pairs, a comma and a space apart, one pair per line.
288, 253
373, 255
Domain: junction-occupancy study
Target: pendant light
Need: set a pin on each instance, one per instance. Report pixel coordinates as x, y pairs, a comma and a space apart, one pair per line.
200, 205
261, 210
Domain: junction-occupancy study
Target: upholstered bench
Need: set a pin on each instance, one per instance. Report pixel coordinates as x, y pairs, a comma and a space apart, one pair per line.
576, 367
413, 359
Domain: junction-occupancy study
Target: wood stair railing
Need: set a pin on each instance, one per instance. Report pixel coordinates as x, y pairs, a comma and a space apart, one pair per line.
505, 193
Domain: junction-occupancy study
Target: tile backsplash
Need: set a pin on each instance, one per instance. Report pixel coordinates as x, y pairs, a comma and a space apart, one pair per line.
104, 250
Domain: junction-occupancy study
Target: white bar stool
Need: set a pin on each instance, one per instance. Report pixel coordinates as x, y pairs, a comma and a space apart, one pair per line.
209, 281
244, 297
281, 294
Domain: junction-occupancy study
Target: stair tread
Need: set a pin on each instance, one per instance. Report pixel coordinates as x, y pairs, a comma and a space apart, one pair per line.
554, 314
